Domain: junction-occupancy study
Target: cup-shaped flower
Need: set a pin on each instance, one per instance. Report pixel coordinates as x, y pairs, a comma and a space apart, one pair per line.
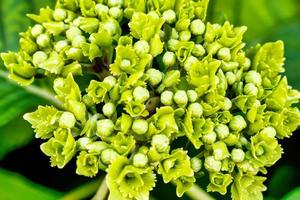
98, 91
123, 143
126, 181
87, 164
183, 184
136, 109
219, 182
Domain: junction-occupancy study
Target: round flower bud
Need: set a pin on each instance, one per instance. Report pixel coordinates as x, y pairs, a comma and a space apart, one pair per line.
269, 131
220, 150
141, 94
113, 3
196, 164
160, 142
212, 165
37, 30
180, 98
169, 59
78, 41
59, 14
227, 104
253, 77
141, 47
185, 35
154, 76
224, 54
250, 89
84, 142
72, 32
230, 77
125, 64
39, 57
237, 123
172, 44
110, 80
140, 160
74, 53
189, 62
116, 13
209, 138
140, 126
246, 64
192, 95
222, 131
108, 156
196, 109
109, 109
101, 9
237, 155
169, 16
197, 27
153, 14
67, 120
231, 140
105, 127
166, 98
60, 45
198, 50
43, 40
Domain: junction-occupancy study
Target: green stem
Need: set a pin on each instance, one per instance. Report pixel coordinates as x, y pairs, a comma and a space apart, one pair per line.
197, 193
84, 191
35, 90
102, 191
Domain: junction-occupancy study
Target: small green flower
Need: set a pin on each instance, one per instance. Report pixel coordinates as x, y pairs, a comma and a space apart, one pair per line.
136, 109
219, 182
123, 143
183, 184
87, 164
98, 91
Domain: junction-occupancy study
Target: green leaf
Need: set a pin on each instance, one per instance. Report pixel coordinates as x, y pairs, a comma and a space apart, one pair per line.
294, 194
14, 186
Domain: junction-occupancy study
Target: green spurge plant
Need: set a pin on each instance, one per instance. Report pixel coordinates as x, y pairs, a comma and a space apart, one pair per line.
161, 73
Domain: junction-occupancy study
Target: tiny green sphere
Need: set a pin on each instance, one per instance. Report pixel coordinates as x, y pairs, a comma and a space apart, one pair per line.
101, 9
110, 80
140, 160
43, 40
78, 41
196, 109
113, 3
230, 77
222, 131
250, 89
189, 62
169, 16
196, 164
237, 155
224, 54
125, 64
39, 57
105, 127
197, 27
154, 76
109, 109
141, 47
269, 131
72, 32
227, 104
192, 95
198, 50
185, 35
209, 138
166, 98
180, 98
59, 14
37, 30
67, 120
160, 142
60, 45
108, 156
140, 126
74, 53
237, 123
116, 13
169, 59
212, 165
141, 94
253, 77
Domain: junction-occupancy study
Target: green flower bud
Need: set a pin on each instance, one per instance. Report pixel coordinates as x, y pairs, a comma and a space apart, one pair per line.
110, 80
72, 32
172, 44
67, 120
37, 30
222, 131
209, 138
253, 77
198, 50
141, 94
96, 147
192, 95
141, 47
101, 9
212, 165
74, 53
230, 77
154, 76
160, 142
59, 14
169, 59
237, 123
185, 35
237, 155
166, 98
224, 54
140, 160
43, 40
196, 109
87, 164
196, 164
109, 109
270, 131
180, 98
108, 156
114, 3
116, 13
39, 57
78, 41
231, 140
197, 27
227, 104
140, 126
169, 16
61, 45
83, 142
105, 127
220, 150
250, 89
189, 62
229, 66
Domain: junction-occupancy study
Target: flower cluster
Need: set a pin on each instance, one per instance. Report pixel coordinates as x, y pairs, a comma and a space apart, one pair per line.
162, 74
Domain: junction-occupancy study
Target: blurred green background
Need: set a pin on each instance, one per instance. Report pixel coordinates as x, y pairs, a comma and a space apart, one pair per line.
25, 173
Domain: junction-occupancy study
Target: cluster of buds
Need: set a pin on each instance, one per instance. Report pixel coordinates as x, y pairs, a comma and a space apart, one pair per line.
162, 74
